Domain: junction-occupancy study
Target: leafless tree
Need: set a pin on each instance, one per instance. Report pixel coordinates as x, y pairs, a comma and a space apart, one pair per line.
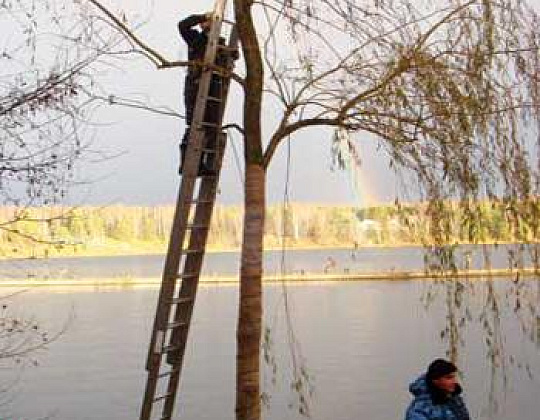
448, 90
48, 52
47, 97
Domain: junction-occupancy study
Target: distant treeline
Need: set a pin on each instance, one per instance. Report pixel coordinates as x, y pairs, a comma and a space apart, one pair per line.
125, 228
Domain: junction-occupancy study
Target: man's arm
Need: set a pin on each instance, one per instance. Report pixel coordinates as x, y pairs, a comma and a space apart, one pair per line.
186, 27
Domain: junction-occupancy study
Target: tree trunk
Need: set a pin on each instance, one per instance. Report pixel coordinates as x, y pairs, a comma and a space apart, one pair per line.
248, 404
250, 309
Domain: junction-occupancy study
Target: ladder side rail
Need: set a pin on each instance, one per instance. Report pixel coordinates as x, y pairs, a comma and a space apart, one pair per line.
193, 263
178, 339
178, 231
168, 284
173, 256
172, 262
202, 217
189, 288
193, 155
198, 240
208, 62
226, 80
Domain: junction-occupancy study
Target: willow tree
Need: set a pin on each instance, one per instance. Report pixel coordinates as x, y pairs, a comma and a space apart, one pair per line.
447, 89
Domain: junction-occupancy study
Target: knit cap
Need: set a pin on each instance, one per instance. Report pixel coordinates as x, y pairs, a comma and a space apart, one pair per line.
439, 368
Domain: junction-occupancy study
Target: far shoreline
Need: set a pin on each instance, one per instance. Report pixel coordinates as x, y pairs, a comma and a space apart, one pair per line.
128, 282
134, 251
126, 250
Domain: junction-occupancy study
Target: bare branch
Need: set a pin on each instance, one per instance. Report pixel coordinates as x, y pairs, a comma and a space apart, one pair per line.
157, 58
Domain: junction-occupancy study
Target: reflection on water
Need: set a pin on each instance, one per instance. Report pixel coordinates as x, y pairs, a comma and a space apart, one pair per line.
363, 343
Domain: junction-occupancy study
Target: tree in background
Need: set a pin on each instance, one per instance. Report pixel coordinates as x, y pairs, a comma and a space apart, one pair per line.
47, 56
47, 97
448, 90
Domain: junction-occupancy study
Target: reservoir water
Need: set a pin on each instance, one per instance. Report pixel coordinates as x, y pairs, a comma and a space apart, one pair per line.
361, 343
333, 261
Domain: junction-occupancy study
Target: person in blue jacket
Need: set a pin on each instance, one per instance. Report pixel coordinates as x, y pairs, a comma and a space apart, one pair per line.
437, 394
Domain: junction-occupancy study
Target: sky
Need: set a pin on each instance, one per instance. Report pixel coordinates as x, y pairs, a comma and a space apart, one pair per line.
143, 147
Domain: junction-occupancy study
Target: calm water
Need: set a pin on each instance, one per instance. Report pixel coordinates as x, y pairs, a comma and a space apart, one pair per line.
362, 343
226, 263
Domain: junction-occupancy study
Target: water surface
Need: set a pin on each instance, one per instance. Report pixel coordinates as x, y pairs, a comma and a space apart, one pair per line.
362, 344
334, 261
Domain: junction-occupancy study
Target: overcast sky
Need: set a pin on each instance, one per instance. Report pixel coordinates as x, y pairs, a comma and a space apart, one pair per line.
145, 172
143, 147
145, 169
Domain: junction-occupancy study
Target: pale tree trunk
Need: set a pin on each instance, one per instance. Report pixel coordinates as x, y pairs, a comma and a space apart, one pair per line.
248, 404
250, 311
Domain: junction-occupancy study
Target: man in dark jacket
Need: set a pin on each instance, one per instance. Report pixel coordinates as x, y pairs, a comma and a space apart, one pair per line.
197, 41
437, 394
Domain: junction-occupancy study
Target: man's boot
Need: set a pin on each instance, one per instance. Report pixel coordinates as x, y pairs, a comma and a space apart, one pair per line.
206, 166
183, 148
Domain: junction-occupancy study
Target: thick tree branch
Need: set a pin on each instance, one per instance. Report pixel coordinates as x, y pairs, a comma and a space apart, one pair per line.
151, 54
287, 130
162, 62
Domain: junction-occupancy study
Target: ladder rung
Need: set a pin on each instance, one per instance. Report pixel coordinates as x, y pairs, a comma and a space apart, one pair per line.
214, 99
202, 201
192, 251
173, 325
212, 175
227, 48
220, 74
209, 124
187, 276
209, 150
194, 226
230, 22
170, 349
180, 300
168, 373
162, 397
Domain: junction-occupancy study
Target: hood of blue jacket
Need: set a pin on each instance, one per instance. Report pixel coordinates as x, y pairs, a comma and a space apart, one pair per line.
419, 387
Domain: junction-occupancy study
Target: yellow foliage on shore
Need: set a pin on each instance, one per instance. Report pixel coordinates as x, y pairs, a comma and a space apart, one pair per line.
115, 230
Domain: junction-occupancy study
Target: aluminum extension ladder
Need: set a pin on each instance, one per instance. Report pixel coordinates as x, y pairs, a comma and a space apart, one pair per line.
190, 227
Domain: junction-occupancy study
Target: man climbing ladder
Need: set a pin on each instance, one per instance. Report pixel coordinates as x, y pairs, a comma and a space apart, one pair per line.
196, 198
197, 41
